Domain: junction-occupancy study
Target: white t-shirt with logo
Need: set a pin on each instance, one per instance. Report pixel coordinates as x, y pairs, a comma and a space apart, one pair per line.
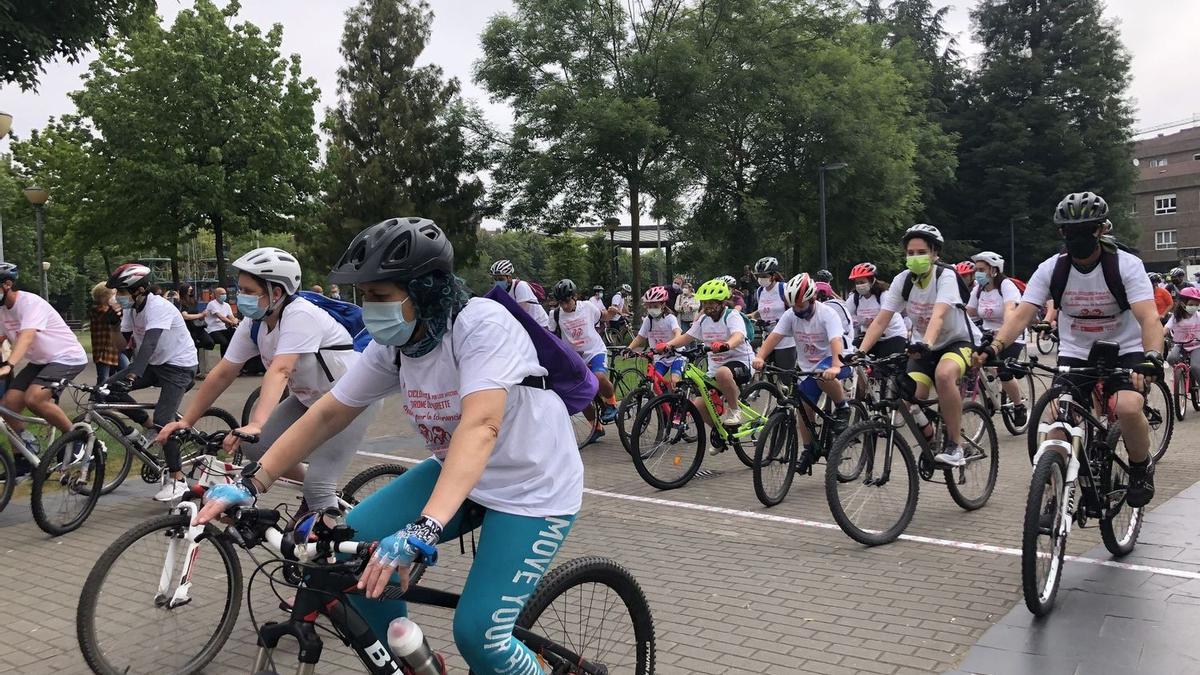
866, 308
812, 335
990, 305
598, 302
618, 301
522, 292
303, 329
214, 309
54, 342
578, 329
1089, 312
771, 309
659, 330
175, 346
921, 301
1185, 332
535, 468
708, 331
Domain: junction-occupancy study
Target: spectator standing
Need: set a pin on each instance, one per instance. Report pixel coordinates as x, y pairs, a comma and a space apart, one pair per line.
219, 321
686, 306
104, 323
317, 289
334, 292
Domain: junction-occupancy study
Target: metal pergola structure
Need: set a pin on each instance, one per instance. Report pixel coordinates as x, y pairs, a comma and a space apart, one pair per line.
658, 236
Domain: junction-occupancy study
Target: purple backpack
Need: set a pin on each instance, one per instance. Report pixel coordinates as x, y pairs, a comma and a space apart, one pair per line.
568, 376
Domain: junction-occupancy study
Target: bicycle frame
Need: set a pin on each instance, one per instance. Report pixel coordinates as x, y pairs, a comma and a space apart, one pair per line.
706, 387
14, 439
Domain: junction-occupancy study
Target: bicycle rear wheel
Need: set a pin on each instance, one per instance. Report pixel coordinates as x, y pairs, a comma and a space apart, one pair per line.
583, 422
67, 482
1007, 413
1180, 394
1120, 527
366, 482
775, 456
1160, 417
8, 478
971, 485
111, 432
627, 412
594, 607
1044, 538
126, 624
879, 503
1045, 343
668, 441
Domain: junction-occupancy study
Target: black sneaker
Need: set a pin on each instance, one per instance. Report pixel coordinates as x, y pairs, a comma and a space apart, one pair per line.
841, 420
1141, 485
1020, 415
805, 463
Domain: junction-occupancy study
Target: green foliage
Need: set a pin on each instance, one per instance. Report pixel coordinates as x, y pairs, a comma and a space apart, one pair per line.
566, 259
37, 32
402, 140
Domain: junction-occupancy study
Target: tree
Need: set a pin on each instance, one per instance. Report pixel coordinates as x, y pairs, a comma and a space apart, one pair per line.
36, 32
595, 90
401, 136
203, 126
565, 259
1047, 114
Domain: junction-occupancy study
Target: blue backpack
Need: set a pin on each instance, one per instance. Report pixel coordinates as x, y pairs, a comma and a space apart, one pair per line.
568, 375
348, 314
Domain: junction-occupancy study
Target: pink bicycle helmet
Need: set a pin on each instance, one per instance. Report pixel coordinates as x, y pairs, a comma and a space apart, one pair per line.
655, 294
1191, 293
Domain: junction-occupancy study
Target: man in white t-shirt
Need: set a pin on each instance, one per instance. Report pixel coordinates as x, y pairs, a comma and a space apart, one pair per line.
943, 336
165, 358
51, 352
1091, 278
503, 272
219, 321
575, 322
621, 304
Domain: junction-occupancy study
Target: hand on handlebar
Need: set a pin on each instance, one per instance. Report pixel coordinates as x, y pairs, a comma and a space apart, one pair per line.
757, 363
220, 498
662, 347
983, 354
234, 440
397, 552
171, 428
719, 346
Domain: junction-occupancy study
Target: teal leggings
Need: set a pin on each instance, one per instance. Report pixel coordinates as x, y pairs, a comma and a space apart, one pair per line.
513, 554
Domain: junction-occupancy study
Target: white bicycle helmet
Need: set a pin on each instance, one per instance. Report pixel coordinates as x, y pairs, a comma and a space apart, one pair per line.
927, 232
271, 264
626, 289
502, 268
129, 275
800, 288
990, 258
729, 281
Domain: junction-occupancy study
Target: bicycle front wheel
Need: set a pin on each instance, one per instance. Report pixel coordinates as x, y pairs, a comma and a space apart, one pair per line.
8, 478
368, 481
595, 608
67, 482
111, 430
1181, 394
1121, 523
1044, 538
134, 617
668, 441
775, 457
627, 412
879, 503
971, 485
1160, 417
583, 423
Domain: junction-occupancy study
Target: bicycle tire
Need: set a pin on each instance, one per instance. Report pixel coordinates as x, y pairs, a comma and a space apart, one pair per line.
661, 412
987, 445
1039, 595
1179, 394
252, 400
612, 575
582, 426
115, 443
1195, 393
777, 448
1160, 417
1120, 536
1037, 413
858, 413
1006, 410
8, 478
866, 436
361, 479
88, 625
1045, 343
213, 419
48, 474
627, 411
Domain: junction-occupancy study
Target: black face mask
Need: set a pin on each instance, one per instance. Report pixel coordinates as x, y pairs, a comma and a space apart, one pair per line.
1081, 244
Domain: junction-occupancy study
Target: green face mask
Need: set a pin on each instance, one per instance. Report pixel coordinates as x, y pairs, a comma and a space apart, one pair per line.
918, 264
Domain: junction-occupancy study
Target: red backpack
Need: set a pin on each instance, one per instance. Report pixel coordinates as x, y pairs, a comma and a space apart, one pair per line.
538, 291
1020, 284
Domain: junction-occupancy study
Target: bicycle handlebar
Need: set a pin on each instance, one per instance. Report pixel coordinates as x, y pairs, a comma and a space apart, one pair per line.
1087, 371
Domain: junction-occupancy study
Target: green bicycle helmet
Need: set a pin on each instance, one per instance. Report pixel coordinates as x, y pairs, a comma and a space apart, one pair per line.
713, 289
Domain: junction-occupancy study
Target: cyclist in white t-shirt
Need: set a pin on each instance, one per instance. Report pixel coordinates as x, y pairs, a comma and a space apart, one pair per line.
868, 291
166, 358
502, 272
771, 305
993, 297
503, 454
575, 322
660, 326
305, 351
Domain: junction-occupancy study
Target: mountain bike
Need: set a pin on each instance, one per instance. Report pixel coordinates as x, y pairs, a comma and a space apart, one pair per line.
1047, 337
617, 332
983, 385
198, 591
778, 448
1184, 386
9, 478
667, 437
650, 385
95, 457
871, 473
1073, 481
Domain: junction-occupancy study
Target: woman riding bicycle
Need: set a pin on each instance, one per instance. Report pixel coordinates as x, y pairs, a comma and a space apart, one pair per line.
575, 322
772, 304
994, 296
305, 351
868, 291
660, 325
499, 446
1184, 326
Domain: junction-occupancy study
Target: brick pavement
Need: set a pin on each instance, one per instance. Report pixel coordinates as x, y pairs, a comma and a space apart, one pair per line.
730, 594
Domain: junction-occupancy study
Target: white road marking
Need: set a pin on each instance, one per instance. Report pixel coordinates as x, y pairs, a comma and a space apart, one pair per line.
802, 522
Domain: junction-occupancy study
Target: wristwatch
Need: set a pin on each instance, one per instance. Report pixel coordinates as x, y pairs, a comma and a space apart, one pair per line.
251, 478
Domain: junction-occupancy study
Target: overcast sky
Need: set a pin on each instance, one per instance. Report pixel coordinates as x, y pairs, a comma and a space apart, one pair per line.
1159, 33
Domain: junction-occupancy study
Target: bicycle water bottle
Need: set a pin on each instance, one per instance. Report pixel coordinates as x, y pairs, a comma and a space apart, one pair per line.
409, 645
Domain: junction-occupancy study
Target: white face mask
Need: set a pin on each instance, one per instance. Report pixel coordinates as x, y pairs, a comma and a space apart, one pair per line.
654, 312
764, 282
863, 289
1191, 309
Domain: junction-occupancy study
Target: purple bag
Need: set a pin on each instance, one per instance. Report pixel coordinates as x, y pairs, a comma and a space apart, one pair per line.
568, 376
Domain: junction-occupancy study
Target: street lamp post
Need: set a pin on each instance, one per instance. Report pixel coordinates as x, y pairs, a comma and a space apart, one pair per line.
821, 183
6, 121
38, 196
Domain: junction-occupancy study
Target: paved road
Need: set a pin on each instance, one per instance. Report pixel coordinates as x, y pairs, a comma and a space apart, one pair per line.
735, 588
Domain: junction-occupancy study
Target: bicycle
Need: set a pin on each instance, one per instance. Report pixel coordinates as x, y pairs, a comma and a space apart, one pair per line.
778, 448
71, 474
624, 380
323, 583
9, 480
671, 418
1091, 485
1047, 337
1183, 384
860, 472
650, 384
617, 332
983, 385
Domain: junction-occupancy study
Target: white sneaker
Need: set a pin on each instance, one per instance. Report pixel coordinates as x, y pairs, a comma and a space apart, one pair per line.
952, 456
171, 491
732, 418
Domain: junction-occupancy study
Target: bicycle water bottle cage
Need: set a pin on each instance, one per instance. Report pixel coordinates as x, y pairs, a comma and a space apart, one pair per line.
1104, 354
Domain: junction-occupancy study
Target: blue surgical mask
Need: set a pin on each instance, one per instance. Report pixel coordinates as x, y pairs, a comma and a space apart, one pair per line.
125, 301
248, 306
386, 323
982, 278
222, 298
500, 283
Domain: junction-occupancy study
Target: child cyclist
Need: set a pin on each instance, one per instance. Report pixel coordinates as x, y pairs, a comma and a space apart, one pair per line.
820, 345
575, 322
1184, 326
660, 326
724, 330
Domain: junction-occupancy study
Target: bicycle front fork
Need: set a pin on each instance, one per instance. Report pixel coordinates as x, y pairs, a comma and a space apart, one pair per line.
188, 547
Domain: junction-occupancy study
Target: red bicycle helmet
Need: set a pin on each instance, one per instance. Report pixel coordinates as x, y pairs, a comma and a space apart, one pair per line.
655, 294
862, 271
965, 267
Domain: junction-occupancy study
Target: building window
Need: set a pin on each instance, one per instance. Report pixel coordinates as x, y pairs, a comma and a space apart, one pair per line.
1164, 204
1133, 207
1164, 240
1158, 161
1196, 157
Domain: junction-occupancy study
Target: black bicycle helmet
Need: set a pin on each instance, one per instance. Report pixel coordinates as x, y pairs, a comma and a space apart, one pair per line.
398, 249
1081, 208
7, 271
767, 265
564, 290
824, 275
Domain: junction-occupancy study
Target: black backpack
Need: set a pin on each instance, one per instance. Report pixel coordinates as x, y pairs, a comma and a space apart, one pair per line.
963, 291
1109, 264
